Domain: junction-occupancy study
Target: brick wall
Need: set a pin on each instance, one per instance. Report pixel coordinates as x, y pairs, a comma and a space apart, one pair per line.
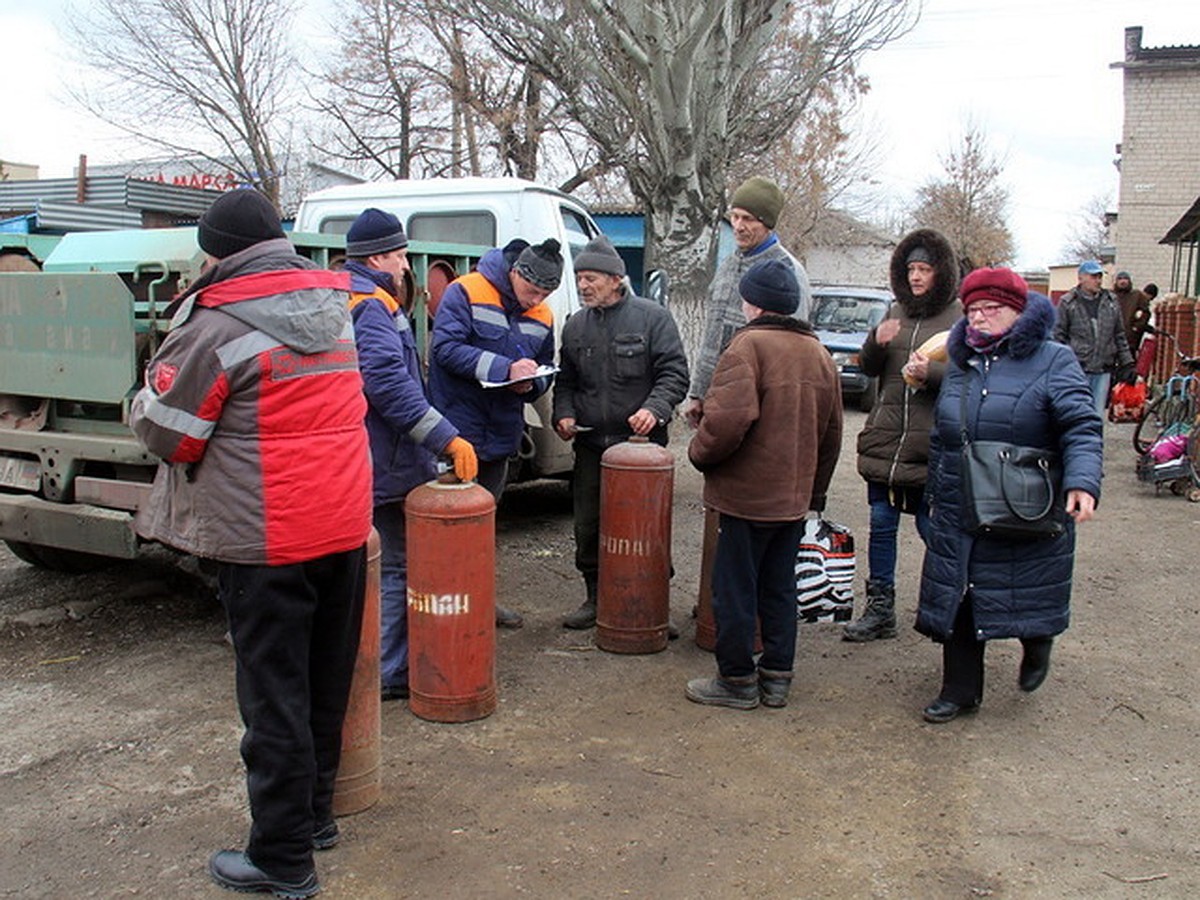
1160, 158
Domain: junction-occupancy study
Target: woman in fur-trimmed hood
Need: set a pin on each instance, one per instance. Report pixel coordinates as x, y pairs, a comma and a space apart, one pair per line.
893, 447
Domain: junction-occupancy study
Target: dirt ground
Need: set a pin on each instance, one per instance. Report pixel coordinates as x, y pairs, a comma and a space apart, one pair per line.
119, 767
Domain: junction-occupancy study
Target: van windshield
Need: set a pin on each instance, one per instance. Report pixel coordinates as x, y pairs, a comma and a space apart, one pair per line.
474, 227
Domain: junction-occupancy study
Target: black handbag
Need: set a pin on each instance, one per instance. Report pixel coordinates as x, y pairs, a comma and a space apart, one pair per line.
1010, 491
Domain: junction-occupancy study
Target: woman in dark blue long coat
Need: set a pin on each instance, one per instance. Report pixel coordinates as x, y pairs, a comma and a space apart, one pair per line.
1024, 389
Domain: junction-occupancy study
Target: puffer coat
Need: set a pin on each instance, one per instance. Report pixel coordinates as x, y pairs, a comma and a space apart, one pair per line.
893, 446
1028, 391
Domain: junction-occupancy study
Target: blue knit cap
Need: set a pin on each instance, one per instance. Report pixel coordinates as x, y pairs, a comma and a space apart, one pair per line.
374, 232
771, 285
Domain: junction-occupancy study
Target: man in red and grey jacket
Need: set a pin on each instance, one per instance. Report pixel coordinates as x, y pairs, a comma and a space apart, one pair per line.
255, 405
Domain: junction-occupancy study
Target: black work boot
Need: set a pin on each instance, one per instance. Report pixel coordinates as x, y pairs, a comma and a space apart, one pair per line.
878, 619
233, 870
739, 692
773, 687
585, 616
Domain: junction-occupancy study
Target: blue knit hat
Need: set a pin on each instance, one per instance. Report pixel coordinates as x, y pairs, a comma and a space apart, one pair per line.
374, 232
771, 285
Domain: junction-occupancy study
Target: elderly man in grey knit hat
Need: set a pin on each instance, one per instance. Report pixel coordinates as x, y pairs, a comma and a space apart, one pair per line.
622, 371
754, 211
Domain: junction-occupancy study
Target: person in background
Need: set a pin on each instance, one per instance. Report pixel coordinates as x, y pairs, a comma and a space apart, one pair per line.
754, 210
893, 447
255, 405
622, 372
767, 444
1021, 388
1089, 322
406, 432
1135, 310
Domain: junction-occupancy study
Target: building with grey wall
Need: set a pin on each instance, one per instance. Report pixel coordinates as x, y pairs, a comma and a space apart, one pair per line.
1159, 152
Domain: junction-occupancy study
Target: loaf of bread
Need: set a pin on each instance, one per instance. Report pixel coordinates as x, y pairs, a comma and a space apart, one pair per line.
933, 349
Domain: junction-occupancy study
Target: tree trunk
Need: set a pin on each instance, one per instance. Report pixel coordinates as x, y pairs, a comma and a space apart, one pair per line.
682, 241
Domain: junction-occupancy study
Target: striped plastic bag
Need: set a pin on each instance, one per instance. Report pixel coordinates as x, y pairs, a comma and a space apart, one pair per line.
825, 572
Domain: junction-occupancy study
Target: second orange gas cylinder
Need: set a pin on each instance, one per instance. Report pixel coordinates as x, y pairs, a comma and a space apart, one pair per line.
358, 783
633, 606
451, 601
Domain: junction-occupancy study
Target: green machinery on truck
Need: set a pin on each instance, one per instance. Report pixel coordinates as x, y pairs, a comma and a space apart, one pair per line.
74, 340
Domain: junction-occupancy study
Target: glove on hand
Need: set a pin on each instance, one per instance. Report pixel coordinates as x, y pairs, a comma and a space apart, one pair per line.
1127, 374
462, 454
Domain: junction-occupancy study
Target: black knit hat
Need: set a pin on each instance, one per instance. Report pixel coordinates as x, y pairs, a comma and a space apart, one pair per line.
375, 232
237, 220
541, 264
599, 255
771, 285
761, 197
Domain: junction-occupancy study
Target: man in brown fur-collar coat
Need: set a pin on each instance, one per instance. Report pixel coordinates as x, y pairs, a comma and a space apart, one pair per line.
767, 444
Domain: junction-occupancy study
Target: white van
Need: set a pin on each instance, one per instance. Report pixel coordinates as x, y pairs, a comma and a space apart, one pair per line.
487, 212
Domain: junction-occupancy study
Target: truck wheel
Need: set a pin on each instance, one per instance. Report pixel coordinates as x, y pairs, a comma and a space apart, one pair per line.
57, 559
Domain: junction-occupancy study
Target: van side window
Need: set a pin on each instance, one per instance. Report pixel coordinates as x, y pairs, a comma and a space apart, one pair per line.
478, 227
579, 229
337, 224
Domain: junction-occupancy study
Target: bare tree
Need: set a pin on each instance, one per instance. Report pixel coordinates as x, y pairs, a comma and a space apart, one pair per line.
968, 203
671, 91
422, 91
1088, 236
203, 78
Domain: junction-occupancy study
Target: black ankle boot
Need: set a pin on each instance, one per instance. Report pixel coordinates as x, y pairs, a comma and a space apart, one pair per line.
1035, 663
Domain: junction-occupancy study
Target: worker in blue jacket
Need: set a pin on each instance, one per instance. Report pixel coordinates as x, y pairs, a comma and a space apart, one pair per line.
406, 432
493, 326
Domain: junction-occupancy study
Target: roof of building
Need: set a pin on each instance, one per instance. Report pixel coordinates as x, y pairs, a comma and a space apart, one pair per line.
1180, 56
109, 201
1187, 228
840, 229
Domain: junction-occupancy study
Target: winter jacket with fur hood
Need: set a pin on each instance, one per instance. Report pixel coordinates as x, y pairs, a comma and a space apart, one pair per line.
893, 447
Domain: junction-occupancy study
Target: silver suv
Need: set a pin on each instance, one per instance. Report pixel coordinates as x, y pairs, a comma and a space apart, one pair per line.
842, 316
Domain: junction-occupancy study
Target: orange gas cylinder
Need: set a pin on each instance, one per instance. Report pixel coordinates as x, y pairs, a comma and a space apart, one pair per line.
706, 625
451, 530
633, 601
358, 786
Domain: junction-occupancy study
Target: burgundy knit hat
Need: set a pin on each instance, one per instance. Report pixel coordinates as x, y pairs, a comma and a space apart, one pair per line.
997, 285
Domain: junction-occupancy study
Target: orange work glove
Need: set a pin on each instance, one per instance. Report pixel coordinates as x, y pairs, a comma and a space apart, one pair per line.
462, 454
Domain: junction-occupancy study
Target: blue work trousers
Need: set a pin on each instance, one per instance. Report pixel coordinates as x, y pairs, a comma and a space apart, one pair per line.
393, 595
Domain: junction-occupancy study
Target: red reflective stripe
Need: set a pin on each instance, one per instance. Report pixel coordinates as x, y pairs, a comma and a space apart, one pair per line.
264, 284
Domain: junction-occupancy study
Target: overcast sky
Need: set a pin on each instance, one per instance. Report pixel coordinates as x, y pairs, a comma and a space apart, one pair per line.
1033, 74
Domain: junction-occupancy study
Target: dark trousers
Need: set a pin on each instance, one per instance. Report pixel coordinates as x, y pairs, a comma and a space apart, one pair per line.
754, 580
295, 632
586, 488
393, 594
962, 658
493, 473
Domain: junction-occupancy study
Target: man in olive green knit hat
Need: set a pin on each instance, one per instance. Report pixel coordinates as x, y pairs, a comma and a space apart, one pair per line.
753, 212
